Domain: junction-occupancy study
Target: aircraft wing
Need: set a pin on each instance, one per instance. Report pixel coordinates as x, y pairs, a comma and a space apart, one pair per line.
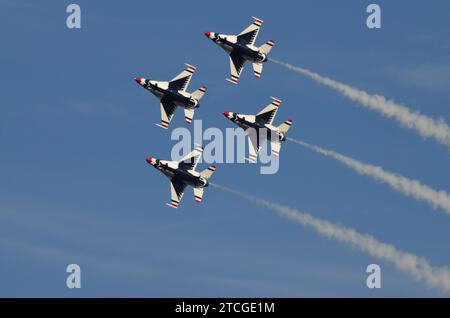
189, 162
253, 144
167, 110
267, 115
251, 32
236, 65
176, 192
181, 82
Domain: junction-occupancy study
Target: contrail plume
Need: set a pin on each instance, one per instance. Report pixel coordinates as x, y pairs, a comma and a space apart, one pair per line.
422, 124
409, 187
417, 267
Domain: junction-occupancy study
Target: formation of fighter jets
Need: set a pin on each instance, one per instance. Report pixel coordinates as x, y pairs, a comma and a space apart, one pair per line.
259, 128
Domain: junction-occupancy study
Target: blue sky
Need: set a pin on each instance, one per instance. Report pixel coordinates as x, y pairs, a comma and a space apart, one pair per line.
75, 130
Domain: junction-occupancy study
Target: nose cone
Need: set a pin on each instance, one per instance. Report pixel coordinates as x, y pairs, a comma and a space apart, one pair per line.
138, 80
150, 160
209, 35
227, 114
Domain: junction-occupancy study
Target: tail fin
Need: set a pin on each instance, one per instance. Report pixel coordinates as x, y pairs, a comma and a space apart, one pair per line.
207, 173
284, 127
265, 48
198, 94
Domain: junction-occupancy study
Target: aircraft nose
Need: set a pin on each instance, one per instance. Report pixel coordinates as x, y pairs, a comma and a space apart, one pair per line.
226, 114
149, 160
208, 34
138, 80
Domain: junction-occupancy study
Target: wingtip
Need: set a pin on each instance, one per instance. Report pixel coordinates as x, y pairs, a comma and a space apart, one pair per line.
276, 101
190, 66
232, 81
197, 145
161, 126
258, 20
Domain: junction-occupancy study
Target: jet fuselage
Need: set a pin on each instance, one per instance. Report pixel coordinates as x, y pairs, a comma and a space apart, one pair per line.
250, 121
189, 177
239, 48
162, 90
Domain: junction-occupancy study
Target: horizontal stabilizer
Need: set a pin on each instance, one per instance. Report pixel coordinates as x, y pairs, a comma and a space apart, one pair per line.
207, 173
265, 48
198, 194
198, 94
276, 147
188, 115
257, 69
284, 127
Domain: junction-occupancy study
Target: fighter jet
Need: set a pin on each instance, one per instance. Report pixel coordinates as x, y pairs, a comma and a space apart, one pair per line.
254, 125
173, 93
241, 48
182, 173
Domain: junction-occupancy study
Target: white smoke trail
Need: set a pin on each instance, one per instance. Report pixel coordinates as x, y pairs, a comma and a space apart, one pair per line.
417, 267
409, 187
424, 125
